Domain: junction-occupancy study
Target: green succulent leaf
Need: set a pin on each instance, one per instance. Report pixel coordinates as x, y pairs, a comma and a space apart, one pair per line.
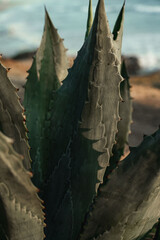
152, 234
21, 209
62, 222
123, 126
85, 116
118, 34
157, 232
125, 112
90, 95
128, 204
3, 222
118, 27
90, 19
11, 116
125, 106
60, 206
49, 68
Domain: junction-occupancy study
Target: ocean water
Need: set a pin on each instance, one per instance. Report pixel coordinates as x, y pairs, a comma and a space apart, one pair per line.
21, 26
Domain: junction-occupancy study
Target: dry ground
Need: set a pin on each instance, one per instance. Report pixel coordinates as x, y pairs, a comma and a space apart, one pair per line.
146, 106
145, 91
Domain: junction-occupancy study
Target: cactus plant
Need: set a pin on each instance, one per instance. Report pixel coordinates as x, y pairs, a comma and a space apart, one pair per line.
78, 127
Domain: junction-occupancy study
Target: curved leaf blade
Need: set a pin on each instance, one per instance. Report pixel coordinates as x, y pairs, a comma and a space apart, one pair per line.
130, 197
89, 20
118, 34
21, 206
125, 112
11, 116
49, 68
85, 114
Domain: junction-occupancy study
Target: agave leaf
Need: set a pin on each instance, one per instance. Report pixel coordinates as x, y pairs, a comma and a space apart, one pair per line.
157, 232
51, 54
90, 19
48, 70
89, 95
85, 114
60, 206
31, 106
125, 108
154, 233
11, 116
3, 223
123, 125
21, 209
118, 34
128, 204
150, 235
118, 27
63, 220
85, 170
125, 112
60, 184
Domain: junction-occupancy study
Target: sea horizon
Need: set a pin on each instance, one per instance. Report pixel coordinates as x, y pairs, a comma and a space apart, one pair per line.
22, 22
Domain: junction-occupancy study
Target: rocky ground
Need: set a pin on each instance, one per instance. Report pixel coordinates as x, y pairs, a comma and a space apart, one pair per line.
145, 91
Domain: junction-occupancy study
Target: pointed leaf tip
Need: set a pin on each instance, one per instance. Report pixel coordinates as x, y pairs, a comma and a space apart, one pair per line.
101, 5
90, 19
47, 18
47, 15
100, 15
119, 23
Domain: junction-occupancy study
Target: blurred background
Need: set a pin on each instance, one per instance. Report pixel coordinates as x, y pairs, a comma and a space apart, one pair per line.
21, 26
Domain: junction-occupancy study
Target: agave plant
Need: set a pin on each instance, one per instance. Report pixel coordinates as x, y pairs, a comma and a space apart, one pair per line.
78, 121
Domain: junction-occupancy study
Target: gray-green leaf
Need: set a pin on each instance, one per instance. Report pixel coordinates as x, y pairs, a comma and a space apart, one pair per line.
12, 116
128, 204
21, 209
49, 68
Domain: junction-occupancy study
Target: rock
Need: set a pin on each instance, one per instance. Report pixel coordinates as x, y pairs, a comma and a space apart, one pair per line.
133, 65
24, 55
